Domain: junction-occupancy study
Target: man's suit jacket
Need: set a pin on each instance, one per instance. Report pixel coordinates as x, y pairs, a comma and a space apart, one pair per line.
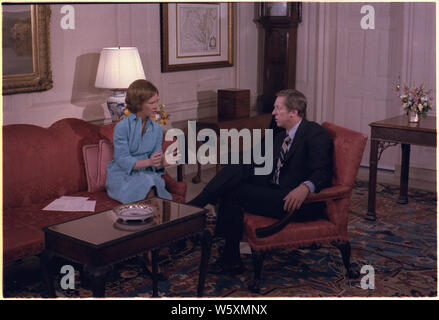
310, 157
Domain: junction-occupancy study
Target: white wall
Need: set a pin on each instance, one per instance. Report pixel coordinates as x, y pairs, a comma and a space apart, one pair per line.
347, 73
75, 56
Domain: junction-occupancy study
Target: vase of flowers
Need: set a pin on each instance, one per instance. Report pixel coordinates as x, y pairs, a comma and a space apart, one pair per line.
162, 117
416, 101
413, 116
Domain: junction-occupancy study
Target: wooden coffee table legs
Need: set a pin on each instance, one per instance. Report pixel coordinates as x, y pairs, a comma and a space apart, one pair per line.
155, 270
206, 244
46, 259
96, 275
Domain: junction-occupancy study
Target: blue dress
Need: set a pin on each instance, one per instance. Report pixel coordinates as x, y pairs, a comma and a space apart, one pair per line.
124, 183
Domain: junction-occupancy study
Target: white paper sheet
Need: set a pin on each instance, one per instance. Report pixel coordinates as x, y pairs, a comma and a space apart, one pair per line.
66, 203
73, 198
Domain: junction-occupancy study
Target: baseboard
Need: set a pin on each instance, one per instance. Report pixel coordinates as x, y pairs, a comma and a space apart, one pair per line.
416, 173
418, 178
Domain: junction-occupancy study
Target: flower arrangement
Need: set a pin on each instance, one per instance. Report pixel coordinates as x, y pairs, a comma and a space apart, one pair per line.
161, 117
415, 99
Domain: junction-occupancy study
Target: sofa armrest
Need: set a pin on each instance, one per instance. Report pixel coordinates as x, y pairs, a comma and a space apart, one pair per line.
336, 192
174, 186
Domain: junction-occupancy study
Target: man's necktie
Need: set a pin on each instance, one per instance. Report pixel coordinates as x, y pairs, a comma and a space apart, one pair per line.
281, 160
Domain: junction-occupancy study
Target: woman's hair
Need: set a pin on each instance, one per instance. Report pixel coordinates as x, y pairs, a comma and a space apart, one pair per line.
294, 100
138, 92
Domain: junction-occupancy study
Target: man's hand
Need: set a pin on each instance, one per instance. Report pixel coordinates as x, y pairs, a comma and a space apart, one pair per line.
295, 198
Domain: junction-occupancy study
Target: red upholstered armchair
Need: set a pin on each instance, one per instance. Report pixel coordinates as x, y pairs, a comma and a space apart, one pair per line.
348, 151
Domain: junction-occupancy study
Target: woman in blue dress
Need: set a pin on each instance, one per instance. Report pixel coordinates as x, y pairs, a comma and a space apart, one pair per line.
138, 162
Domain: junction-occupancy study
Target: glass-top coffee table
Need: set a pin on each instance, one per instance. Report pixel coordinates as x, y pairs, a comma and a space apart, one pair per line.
100, 240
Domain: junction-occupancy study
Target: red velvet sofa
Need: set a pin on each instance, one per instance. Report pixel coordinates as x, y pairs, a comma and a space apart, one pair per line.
42, 164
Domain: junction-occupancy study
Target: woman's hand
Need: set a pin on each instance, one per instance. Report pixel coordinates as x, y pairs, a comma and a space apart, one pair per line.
156, 159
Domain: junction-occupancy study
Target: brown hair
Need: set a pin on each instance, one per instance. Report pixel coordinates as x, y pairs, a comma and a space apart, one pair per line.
138, 92
294, 100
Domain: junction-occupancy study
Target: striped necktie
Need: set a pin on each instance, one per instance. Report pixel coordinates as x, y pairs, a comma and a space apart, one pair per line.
281, 160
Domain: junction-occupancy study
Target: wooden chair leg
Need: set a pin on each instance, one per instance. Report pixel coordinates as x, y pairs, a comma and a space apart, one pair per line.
258, 261
345, 249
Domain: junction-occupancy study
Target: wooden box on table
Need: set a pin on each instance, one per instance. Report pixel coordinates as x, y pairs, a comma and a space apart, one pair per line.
233, 103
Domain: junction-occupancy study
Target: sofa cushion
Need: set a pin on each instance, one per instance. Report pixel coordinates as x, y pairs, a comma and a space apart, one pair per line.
96, 158
106, 153
91, 161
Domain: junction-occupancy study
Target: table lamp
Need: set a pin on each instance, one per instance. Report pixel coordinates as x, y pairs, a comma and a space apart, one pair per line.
118, 68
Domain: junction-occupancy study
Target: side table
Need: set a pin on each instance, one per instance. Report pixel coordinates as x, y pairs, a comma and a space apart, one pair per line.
390, 132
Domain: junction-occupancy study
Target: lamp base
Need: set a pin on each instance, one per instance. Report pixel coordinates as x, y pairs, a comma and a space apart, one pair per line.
116, 104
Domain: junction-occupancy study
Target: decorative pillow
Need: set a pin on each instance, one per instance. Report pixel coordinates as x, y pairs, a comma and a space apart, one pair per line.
106, 152
91, 157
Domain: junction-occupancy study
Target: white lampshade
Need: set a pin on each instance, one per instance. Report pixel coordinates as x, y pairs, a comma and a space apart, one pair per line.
118, 68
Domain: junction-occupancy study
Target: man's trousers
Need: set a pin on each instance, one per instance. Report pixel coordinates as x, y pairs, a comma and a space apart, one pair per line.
237, 189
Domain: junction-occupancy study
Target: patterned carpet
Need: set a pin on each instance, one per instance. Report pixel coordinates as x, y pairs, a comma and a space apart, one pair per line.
400, 246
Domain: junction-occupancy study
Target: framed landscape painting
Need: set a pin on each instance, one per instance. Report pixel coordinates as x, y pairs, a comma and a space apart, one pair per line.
26, 48
196, 36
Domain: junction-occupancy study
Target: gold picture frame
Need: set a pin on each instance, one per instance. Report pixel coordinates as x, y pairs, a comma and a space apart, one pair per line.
196, 36
26, 48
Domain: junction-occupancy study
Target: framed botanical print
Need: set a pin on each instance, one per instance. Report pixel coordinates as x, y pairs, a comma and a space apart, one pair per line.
196, 36
26, 48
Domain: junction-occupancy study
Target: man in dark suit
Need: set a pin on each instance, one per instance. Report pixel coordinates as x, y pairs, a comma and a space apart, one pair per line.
302, 152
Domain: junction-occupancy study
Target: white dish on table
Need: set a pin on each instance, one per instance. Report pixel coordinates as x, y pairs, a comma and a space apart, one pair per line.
134, 212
